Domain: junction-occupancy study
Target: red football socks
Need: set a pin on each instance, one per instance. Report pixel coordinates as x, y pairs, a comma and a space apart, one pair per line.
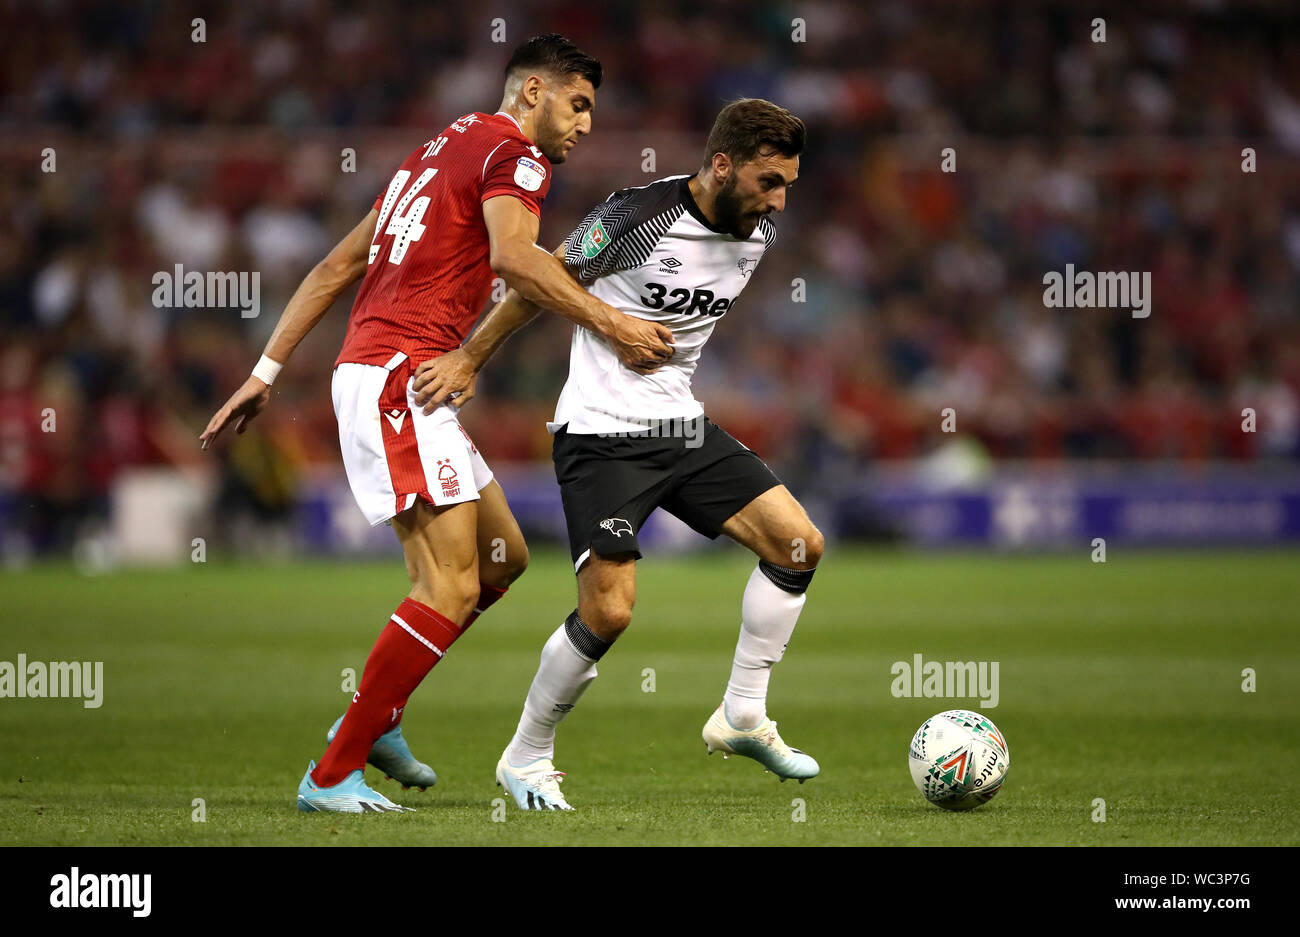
414, 639
487, 596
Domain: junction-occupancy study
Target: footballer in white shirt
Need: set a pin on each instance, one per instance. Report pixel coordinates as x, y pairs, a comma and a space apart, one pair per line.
630, 436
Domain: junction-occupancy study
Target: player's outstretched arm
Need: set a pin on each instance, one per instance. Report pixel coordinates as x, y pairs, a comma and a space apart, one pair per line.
455, 373
542, 279
342, 267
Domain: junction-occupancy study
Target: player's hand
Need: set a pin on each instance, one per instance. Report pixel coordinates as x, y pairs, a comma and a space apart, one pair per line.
448, 377
641, 345
244, 404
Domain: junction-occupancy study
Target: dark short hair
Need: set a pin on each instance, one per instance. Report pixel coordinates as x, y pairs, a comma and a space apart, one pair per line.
554, 54
746, 127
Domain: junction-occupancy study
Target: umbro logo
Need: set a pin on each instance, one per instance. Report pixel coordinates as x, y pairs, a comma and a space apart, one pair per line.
395, 419
669, 265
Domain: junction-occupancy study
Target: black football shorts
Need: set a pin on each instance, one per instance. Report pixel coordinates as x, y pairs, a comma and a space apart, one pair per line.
698, 473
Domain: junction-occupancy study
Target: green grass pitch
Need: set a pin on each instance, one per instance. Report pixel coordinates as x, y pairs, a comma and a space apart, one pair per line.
1120, 681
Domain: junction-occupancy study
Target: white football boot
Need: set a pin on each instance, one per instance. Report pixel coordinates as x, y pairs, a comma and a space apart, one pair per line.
535, 786
762, 743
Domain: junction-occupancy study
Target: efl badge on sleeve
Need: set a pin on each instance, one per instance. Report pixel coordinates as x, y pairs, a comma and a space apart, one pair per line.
529, 174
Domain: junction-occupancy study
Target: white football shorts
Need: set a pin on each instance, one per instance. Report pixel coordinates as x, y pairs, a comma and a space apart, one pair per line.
393, 453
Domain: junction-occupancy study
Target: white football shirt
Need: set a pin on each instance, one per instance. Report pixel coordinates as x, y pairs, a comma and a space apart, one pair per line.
651, 253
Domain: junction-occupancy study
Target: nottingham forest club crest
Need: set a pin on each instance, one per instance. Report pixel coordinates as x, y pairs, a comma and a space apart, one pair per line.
594, 241
447, 479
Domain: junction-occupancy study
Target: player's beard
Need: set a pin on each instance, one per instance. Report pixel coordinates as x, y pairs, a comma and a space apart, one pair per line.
731, 215
551, 144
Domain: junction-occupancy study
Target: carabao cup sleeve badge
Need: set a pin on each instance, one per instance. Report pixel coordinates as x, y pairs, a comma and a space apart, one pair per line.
594, 241
529, 174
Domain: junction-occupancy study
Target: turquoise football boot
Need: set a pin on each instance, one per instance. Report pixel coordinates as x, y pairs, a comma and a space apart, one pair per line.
391, 755
351, 795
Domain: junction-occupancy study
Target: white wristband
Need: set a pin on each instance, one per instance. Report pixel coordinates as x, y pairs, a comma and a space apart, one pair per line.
267, 370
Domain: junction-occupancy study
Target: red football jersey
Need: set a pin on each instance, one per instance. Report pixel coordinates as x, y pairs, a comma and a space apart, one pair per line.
429, 276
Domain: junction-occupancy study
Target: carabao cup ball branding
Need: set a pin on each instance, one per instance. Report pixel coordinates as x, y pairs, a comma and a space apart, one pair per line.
958, 759
529, 174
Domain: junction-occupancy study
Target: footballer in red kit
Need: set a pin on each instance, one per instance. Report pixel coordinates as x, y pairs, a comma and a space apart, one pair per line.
428, 277
463, 208
423, 302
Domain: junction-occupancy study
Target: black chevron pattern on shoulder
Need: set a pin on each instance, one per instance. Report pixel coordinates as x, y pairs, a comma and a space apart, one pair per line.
769, 232
633, 220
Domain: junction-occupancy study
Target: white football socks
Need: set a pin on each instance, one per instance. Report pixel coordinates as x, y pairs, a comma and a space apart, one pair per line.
768, 616
562, 678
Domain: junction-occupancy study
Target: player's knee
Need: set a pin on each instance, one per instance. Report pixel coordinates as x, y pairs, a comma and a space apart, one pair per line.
504, 562
513, 566
608, 617
810, 553
502, 573
453, 593
465, 590
803, 550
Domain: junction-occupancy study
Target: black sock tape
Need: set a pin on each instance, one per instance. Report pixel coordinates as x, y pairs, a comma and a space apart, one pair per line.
583, 639
794, 581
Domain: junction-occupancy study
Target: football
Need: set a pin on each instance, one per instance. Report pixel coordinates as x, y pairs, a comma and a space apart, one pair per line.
958, 759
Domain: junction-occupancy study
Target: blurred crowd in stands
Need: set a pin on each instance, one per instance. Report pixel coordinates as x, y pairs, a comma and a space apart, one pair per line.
894, 290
